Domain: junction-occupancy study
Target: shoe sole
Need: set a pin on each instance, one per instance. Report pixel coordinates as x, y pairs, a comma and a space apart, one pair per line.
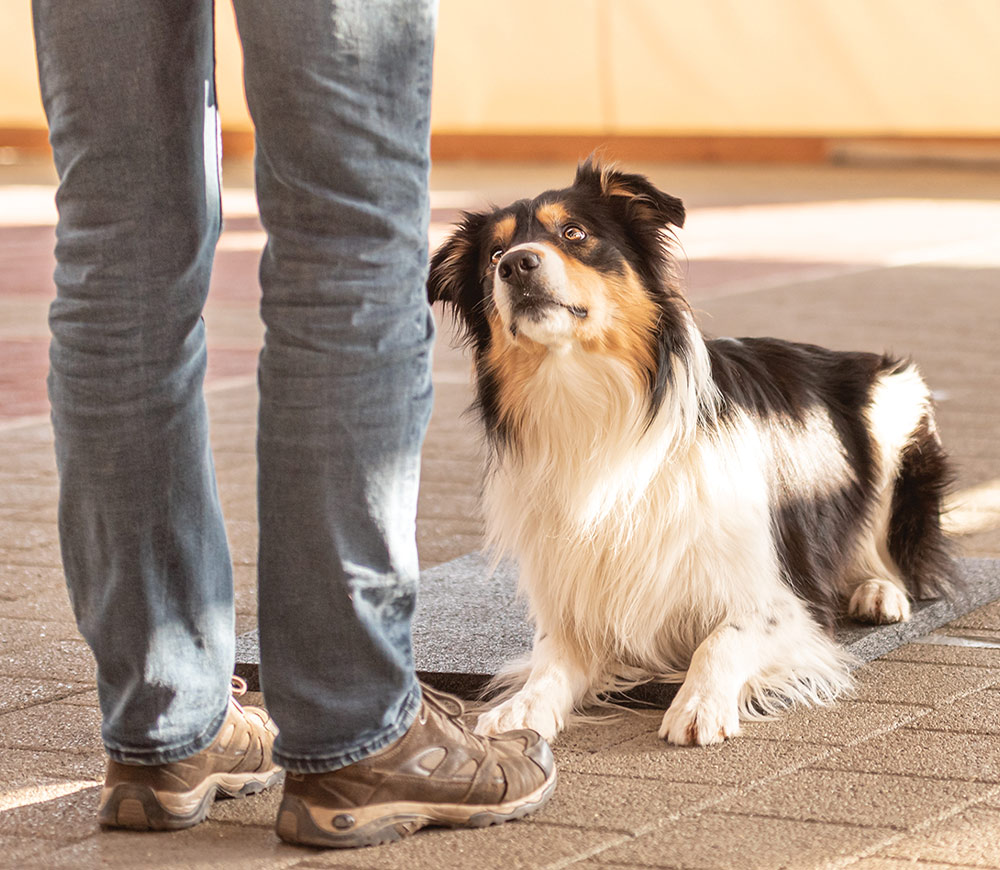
305, 825
141, 808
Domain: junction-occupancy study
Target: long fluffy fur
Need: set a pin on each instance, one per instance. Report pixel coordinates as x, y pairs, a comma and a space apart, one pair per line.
680, 508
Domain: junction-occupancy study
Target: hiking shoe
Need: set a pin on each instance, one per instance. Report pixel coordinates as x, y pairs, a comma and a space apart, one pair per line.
167, 797
438, 773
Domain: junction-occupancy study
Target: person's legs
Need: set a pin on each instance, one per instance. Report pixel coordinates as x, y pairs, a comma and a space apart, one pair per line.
128, 87
340, 97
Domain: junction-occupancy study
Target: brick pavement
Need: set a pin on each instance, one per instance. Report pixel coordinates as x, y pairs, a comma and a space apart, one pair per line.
906, 771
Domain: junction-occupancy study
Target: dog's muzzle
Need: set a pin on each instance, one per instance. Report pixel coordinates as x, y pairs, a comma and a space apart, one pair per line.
523, 273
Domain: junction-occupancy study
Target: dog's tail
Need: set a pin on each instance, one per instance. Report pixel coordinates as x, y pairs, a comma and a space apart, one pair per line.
916, 541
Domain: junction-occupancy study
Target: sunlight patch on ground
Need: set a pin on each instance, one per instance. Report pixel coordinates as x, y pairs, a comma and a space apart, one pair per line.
973, 510
38, 793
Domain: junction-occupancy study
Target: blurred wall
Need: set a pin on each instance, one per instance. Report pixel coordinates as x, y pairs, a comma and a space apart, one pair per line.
666, 67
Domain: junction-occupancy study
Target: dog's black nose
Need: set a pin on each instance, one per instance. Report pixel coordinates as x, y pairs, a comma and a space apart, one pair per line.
518, 264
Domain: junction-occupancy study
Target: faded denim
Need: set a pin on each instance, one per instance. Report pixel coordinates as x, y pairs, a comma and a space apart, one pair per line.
340, 97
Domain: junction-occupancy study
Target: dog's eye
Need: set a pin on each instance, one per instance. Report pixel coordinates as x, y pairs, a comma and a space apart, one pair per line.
573, 233
495, 255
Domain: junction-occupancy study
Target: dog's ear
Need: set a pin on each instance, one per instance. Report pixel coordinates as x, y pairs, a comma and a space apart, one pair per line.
455, 278
640, 195
455, 264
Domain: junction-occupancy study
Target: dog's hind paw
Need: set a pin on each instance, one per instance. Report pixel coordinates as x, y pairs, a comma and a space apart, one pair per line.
695, 721
522, 711
880, 602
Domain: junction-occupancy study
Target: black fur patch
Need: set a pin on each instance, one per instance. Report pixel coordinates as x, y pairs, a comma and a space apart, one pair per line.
916, 541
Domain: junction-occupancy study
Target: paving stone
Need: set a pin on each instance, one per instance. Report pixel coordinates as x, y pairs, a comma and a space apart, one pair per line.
20, 581
936, 754
25, 763
715, 841
736, 762
65, 818
205, 847
18, 537
606, 730
242, 537
969, 838
17, 851
978, 713
926, 685
622, 804
942, 654
851, 798
17, 693
511, 846
839, 724
69, 660
899, 864
987, 617
55, 726
21, 634
259, 809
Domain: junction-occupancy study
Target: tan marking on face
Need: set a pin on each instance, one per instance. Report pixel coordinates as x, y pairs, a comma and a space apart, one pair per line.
552, 215
621, 319
503, 230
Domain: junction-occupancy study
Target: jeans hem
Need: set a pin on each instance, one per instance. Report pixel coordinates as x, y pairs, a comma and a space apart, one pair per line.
334, 761
169, 754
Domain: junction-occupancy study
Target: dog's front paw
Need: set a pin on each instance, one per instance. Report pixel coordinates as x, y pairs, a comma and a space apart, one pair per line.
693, 720
880, 602
522, 711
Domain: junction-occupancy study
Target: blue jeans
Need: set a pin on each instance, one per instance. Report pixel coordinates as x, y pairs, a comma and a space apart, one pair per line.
339, 91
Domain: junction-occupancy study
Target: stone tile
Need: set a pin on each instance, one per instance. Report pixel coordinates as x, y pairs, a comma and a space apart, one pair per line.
621, 804
260, 810
19, 581
511, 846
736, 762
69, 660
18, 851
21, 634
47, 606
207, 846
719, 841
851, 798
978, 713
969, 838
25, 764
924, 684
17, 693
64, 818
987, 617
941, 654
837, 725
56, 726
876, 863
242, 542
19, 536
936, 754
586, 734
85, 698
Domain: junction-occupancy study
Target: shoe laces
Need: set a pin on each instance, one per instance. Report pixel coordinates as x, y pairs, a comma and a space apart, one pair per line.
449, 705
237, 689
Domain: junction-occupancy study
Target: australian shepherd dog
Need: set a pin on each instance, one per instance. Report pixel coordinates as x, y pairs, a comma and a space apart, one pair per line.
681, 508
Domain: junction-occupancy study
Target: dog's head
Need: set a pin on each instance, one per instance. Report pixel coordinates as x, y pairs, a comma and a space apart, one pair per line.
586, 269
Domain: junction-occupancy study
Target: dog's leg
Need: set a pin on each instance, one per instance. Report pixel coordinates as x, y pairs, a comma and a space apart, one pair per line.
879, 601
555, 684
706, 707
